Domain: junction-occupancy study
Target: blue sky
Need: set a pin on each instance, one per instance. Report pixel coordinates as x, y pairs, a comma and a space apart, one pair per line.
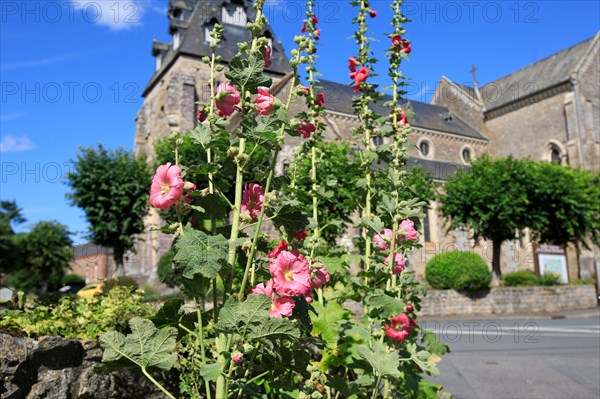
72, 73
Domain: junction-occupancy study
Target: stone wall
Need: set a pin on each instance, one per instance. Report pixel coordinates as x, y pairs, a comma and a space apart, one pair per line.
58, 368
510, 300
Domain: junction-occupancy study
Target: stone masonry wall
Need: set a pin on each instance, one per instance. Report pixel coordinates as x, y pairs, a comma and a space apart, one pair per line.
58, 368
509, 300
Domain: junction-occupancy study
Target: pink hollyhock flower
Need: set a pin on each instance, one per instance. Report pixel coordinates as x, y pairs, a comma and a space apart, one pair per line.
201, 115
227, 97
318, 33
314, 19
167, 186
264, 288
321, 277
320, 99
237, 357
403, 118
300, 234
410, 308
398, 263
267, 57
252, 199
303, 30
306, 129
382, 240
407, 230
282, 246
282, 306
399, 328
396, 41
264, 100
359, 76
291, 275
373, 13
352, 64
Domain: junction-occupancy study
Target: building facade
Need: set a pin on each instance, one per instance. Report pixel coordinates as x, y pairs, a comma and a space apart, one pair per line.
546, 111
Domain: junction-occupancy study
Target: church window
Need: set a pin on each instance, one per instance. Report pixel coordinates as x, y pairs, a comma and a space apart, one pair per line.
426, 227
466, 155
234, 14
425, 148
176, 40
555, 155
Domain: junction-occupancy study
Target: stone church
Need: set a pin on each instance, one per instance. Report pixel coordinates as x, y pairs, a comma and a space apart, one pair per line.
549, 111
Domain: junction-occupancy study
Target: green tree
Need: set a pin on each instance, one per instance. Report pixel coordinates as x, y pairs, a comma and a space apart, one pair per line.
112, 188
495, 198
566, 205
47, 250
10, 215
492, 199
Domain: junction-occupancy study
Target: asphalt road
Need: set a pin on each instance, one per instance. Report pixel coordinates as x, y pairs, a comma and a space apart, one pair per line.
521, 358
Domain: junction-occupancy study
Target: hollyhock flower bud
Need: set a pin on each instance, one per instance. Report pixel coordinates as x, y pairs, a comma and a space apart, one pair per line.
382, 240
291, 275
306, 129
189, 186
321, 277
201, 115
167, 186
407, 230
399, 328
227, 97
300, 234
409, 308
398, 263
252, 199
265, 102
237, 357
303, 30
318, 33
282, 246
282, 306
267, 57
352, 64
373, 13
314, 19
320, 99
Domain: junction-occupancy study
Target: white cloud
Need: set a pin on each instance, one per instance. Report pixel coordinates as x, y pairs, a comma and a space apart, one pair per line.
14, 115
116, 14
11, 143
9, 66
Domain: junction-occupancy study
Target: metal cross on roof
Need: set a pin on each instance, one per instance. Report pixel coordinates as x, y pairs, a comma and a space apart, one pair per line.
473, 71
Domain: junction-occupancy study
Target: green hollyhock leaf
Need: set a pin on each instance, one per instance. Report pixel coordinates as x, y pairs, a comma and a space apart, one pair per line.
384, 362
251, 319
172, 314
195, 287
386, 305
246, 74
146, 347
201, 135
434, 345
211, 372
199, 253
326, 322
374, 224
426, 360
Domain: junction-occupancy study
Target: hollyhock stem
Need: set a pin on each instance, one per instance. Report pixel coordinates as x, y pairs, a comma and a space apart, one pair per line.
392, 259
149, 376
257, 228
376, 389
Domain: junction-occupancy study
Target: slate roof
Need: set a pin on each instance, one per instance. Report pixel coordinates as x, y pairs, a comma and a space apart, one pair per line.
534, 78
427, 116
439, 170
89, 249
193, 42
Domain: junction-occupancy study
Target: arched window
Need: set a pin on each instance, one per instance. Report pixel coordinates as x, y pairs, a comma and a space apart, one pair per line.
555, 155
425, 148
377, 141
466, 154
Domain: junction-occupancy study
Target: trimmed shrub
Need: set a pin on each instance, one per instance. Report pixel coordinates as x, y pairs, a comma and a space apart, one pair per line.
521, 278
548, 279
122, 281
458, 270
